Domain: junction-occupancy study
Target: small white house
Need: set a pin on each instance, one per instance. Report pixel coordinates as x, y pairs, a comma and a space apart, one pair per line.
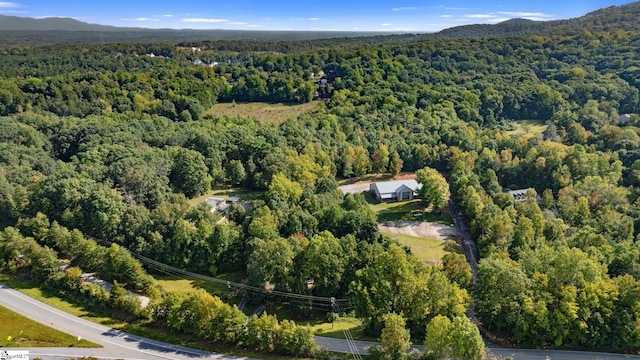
624, 118
217, 204
398, 190
222, 205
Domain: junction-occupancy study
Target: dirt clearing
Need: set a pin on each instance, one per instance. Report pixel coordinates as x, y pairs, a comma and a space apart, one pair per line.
419, 228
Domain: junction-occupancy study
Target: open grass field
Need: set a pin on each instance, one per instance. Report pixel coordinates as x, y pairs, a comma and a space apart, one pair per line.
266, 112
175, 283
225, 193
406, 211
336, 329
427, 250
528, 128
19, 331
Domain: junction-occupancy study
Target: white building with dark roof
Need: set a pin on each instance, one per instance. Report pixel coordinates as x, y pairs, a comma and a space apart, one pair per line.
521, 195
398, 190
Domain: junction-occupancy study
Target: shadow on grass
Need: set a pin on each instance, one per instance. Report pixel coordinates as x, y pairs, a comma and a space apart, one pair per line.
413, 211
242, 193
339, 334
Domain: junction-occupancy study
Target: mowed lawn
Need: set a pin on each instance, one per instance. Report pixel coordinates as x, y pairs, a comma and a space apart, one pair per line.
425, 249
406, 211
180, 283
19, 331
336, 329
267, 112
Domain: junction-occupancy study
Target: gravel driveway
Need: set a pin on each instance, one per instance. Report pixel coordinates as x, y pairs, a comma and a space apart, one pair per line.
419, 228
355, 188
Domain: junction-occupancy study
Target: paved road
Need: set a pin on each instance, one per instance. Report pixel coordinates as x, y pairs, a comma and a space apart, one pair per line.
120, 345
493, 351
116, 344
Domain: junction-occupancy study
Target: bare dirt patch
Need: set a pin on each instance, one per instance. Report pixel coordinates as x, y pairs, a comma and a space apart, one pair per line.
419, 228
358, 185
355, 188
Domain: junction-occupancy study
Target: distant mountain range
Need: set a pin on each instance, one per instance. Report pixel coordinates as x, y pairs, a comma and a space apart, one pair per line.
16, 30
22, 30
15, 23
624, 17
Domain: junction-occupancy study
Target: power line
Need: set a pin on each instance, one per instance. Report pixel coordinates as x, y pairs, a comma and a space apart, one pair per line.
347, 334
230, 284
318, 301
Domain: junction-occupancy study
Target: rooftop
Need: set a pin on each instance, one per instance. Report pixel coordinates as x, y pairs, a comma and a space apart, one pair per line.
393, 186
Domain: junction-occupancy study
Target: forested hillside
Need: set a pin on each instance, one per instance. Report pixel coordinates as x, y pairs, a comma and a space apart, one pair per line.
112, 141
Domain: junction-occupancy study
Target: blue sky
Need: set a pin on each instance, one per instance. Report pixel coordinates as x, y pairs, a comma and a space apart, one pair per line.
344, 15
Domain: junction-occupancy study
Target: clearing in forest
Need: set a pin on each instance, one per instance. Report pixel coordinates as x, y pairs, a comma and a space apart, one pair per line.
261, 111
225, 193
427, 240
528, 127
427, 250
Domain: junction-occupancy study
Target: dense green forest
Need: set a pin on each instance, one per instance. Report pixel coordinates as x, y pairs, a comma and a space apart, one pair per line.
112, 142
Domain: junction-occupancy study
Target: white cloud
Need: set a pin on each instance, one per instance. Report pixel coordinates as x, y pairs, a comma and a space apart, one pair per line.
524, 14
254, 25
167, 15
237, 23
446, 16
386, 24
451, 8
538, 19
6, 4
313, 19
499, 16
204, 20
59, 16
480, 16
405, 8
140, 19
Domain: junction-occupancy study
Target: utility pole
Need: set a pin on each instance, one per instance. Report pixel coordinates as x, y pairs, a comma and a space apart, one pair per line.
333, 311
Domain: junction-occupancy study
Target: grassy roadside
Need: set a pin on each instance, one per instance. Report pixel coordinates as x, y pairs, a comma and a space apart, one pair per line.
19, 331
320, 327
138, 328
51, 299
336, 329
